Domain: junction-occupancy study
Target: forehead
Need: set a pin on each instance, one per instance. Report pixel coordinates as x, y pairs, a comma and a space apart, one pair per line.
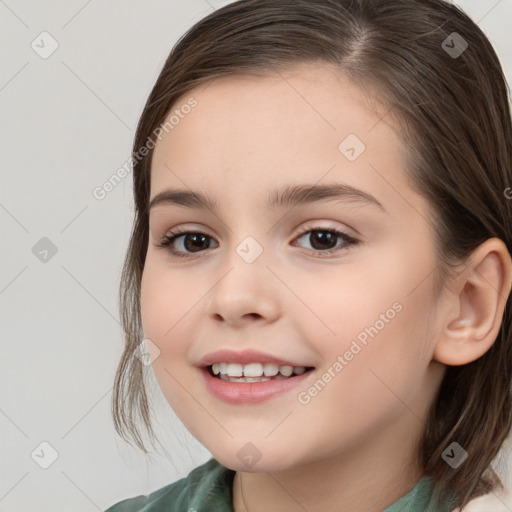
293, 125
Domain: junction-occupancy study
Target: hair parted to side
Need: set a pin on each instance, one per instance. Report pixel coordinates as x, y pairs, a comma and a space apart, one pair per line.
454, 116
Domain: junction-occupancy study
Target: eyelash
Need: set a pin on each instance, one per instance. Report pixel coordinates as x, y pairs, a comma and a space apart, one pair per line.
168, 240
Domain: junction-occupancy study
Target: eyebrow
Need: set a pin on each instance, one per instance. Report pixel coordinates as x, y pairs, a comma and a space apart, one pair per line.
290, 195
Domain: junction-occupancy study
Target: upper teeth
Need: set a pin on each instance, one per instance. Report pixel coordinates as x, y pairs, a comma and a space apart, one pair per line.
255, 369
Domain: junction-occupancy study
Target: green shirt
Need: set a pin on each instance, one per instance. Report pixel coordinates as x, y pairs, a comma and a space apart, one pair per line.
207, 488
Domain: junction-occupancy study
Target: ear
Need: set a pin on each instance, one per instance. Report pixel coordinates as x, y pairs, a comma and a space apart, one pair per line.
476, 305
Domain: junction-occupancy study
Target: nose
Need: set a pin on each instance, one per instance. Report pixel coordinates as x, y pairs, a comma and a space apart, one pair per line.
244, 293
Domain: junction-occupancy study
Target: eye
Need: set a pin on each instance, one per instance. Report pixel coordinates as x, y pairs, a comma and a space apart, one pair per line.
193, 241
322, 240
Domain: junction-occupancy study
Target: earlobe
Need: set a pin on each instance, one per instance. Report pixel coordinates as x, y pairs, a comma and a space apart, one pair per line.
482, 290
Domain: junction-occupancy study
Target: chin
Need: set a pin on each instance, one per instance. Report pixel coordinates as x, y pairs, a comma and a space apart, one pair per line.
253, 458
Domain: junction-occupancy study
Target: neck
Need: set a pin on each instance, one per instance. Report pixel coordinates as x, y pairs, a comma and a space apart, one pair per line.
369, 477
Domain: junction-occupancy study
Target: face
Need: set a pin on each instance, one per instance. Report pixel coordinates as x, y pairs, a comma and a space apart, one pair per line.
342, 284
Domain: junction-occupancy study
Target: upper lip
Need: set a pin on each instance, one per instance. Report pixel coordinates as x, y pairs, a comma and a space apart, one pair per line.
244, 357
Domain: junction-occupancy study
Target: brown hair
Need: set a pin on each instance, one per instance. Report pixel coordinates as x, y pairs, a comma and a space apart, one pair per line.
453, 111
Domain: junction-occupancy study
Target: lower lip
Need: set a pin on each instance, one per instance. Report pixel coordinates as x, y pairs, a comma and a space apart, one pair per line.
250, 392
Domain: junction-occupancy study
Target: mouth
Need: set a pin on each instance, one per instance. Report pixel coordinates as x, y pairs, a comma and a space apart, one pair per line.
255, 372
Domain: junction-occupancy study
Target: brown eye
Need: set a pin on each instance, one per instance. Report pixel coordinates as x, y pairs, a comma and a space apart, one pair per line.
192, 242
327, 240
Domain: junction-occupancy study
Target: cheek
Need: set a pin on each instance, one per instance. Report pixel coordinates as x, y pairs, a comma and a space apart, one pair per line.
345, 304
171, 311
373, 385
166, 307
377, 320
153, 300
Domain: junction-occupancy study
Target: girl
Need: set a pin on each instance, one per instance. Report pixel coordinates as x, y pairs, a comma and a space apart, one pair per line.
320, 260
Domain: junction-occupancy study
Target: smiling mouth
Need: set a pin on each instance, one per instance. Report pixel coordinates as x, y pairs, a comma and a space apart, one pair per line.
255, 372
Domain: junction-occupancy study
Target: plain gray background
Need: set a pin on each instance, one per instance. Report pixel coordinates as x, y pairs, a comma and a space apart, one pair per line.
67, 123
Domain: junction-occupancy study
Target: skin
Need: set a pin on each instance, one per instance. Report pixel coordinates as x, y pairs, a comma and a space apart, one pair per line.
354, 442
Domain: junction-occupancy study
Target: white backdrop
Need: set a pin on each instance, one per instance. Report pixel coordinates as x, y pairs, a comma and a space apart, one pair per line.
73, 80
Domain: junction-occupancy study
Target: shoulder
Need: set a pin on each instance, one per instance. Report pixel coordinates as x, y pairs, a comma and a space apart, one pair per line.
207, 484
